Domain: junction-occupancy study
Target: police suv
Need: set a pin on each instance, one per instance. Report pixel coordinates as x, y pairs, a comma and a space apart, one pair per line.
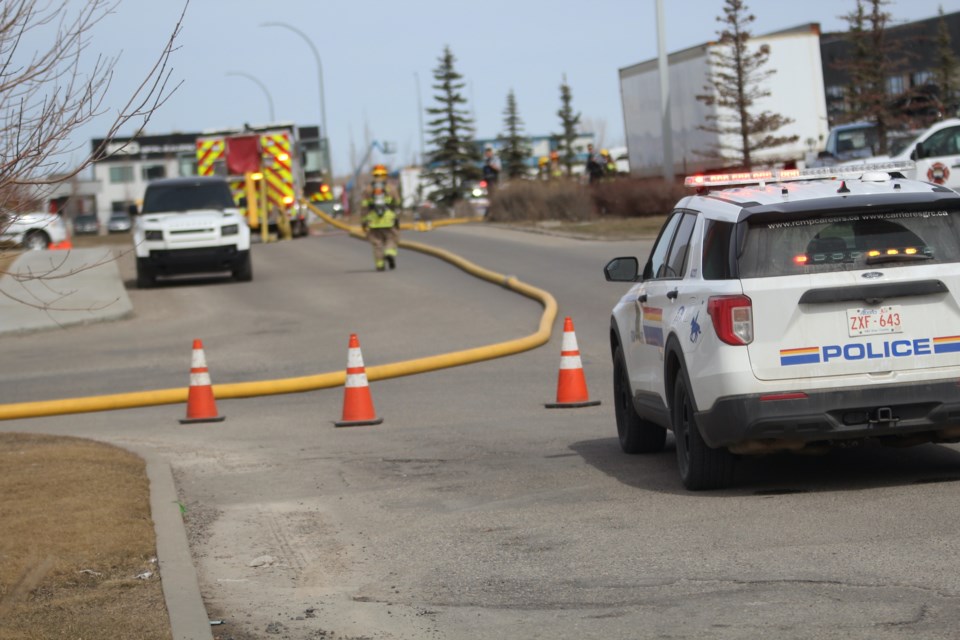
791, 310
190, 225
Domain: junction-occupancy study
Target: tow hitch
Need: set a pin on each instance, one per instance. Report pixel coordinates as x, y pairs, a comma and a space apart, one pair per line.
883, 416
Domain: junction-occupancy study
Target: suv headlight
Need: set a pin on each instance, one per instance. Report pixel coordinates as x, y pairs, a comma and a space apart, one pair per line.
153, 234
229, 229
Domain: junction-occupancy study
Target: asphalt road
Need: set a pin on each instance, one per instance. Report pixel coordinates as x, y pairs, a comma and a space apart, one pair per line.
472, 511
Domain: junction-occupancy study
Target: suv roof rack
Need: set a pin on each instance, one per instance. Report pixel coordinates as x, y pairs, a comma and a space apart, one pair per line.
785, 175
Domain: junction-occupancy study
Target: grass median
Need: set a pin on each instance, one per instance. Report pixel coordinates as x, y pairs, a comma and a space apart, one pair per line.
77, 545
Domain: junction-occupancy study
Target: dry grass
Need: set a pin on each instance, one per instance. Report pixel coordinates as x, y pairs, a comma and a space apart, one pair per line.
75, 532
599, 228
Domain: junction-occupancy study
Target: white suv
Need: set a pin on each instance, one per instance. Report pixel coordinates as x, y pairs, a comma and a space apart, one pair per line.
190, 225
791, 310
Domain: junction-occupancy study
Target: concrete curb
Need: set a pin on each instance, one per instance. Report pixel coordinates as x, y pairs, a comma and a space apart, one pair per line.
181, 590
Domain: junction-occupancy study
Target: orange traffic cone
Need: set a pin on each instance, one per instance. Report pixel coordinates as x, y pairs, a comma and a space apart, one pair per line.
357, 402
571, 384
201, 407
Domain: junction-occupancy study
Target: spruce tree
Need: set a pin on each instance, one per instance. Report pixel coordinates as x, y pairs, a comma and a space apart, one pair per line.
569, 121
735, 84
945, 72
455, 157
875, 59
514, 149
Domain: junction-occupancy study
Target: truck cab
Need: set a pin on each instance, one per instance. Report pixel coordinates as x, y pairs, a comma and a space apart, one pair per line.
935, 153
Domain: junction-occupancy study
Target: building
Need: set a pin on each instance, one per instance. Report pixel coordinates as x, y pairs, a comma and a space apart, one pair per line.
795, 91
915, 48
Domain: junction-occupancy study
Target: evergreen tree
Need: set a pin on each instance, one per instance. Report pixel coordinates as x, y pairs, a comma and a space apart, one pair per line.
569, 121
735, 84
875, 59
455, 157
514, 149
945, 72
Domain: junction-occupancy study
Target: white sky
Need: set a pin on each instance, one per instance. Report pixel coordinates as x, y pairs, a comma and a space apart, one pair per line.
372, 51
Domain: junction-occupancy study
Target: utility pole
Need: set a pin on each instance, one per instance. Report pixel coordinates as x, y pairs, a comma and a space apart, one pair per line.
664, 68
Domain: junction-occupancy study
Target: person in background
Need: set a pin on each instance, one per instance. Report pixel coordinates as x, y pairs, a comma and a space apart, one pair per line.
609, 166
381, 221
595, 168
491, 170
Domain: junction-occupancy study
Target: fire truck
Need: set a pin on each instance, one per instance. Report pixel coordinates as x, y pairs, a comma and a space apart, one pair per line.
271, 158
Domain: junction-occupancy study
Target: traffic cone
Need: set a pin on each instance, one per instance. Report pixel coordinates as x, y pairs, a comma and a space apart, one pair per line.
357, 402
201, 407
571, 383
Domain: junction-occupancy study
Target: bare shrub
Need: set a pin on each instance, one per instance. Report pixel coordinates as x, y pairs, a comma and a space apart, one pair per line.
538, 200
636, 198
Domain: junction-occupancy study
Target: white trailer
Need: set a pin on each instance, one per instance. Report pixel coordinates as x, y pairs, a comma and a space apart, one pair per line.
796, 91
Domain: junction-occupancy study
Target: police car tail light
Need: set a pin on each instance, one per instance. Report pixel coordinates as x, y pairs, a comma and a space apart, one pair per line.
732, 318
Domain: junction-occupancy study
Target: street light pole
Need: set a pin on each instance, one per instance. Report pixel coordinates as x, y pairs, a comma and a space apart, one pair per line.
324, 135
262, 87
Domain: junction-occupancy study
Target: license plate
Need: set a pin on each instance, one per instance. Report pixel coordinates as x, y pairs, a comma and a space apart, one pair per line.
868, 322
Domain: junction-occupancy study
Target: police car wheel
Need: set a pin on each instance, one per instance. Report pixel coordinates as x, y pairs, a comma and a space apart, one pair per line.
636, 434
701, 468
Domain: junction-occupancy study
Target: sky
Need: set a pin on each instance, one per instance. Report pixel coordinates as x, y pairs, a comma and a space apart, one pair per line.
378, 58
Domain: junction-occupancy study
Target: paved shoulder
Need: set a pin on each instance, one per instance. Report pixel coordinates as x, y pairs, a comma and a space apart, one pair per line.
48, 289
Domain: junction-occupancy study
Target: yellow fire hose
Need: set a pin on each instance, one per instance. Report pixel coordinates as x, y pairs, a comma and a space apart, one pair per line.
322, 380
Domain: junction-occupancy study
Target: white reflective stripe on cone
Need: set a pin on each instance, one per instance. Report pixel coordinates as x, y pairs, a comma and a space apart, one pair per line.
354, 358
569, 341
198, 361
356, 380
200, 379
570, 362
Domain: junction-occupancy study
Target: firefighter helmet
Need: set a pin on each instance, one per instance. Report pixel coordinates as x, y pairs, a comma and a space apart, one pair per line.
379, 171
543, 160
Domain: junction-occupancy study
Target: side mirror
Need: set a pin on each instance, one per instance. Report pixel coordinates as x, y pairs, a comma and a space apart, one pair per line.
133, 210
918, 152
622, 270
824, 154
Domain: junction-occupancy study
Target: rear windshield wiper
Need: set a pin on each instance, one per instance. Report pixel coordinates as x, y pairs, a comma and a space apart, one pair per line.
899, 257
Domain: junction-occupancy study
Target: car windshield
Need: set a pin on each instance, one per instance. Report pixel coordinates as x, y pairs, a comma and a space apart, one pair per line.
850, 242
187, 197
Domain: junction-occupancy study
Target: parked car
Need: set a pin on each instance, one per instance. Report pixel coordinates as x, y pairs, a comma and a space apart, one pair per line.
119, 222
86, 224
791, 311
31, 231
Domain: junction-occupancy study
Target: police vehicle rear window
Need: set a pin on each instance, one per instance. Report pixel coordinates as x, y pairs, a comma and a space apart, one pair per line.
849, 242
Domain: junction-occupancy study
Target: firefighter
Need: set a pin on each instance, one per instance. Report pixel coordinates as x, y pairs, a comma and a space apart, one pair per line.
609, 166
556, 169
381, 220
543, 168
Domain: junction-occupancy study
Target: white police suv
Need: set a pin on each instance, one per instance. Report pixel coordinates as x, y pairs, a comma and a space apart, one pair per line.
791, 310
190, 225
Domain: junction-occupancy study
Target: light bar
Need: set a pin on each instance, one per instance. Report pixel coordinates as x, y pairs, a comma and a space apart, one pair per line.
784, 175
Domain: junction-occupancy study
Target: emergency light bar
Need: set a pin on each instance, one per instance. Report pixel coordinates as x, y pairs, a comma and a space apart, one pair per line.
784, 175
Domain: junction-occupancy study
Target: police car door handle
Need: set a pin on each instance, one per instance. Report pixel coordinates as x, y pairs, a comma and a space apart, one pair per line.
642, 297
672, 295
